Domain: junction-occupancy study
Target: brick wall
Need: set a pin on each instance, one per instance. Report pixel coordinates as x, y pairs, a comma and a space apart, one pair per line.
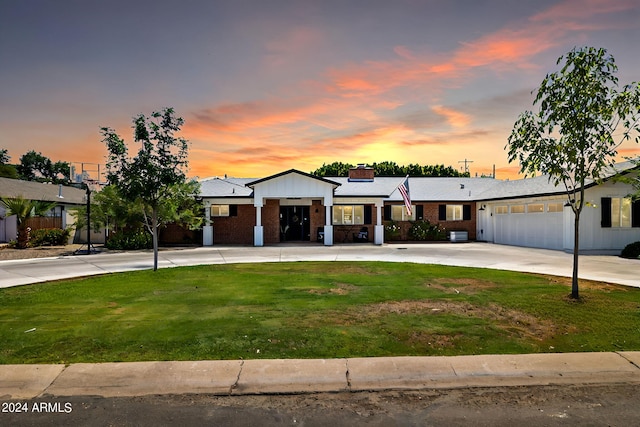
235, 229
431, 214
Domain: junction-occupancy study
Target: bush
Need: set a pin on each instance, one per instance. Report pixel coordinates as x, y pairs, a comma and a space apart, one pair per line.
130, 240
424, 230
49, 237
632, 251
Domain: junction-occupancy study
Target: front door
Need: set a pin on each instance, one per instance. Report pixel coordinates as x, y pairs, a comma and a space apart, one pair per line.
294, 223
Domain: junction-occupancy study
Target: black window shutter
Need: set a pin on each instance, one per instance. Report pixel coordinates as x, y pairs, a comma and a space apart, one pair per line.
419, 212
387, 212
635, 214
466, 212
367, 214
233, 210
605, 204
442, 212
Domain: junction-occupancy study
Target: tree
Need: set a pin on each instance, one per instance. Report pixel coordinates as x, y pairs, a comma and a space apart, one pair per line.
37, 167
7, 170
571, 137
24, 209
150, 178
387, 168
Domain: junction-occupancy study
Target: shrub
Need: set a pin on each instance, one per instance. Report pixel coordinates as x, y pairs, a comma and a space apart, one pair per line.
632, 251
129, 240
49, 237
424, 230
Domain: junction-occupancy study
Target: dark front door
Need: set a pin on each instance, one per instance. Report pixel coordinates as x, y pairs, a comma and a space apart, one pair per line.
294, 223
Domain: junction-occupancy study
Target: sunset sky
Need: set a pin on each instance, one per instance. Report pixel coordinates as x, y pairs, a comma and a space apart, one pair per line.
269, 85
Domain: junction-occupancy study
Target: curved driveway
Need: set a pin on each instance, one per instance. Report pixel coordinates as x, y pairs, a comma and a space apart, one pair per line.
595, 267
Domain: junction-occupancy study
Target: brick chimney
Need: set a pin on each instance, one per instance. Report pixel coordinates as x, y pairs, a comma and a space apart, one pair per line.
361, 173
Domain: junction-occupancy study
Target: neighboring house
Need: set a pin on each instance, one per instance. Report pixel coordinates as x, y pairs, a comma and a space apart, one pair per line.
65, 197
296, 206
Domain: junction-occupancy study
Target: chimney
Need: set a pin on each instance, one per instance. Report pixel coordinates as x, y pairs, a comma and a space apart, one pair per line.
60, 196
361, 173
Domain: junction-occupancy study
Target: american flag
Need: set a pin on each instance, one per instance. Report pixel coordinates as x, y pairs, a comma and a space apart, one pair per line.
404, 190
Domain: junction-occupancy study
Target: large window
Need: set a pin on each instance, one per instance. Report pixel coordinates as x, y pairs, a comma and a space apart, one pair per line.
348, 214
399, 213
621, 212
219, 210
454, 212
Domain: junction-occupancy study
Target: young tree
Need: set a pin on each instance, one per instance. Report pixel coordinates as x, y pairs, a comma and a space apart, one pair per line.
150, 177
571, 137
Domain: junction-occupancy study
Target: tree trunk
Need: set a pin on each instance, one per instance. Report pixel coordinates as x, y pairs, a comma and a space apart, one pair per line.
154, 227
576, 250
23, 238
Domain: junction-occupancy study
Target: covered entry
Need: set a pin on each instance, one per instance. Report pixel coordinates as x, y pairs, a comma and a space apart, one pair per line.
295, 224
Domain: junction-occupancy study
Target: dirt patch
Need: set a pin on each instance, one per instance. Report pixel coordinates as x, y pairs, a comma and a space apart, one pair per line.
517, 323
340, 289
465, 285
7, 253
587, 284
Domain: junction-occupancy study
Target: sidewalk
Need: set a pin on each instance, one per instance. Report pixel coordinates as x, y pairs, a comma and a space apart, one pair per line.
293, 376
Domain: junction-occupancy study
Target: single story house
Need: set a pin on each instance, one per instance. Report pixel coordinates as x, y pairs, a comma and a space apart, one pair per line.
296, 206
65, 197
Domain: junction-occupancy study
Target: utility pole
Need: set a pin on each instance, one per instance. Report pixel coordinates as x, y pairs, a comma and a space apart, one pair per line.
466, 164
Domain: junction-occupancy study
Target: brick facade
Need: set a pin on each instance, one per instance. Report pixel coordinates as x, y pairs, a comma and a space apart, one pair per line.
431, 213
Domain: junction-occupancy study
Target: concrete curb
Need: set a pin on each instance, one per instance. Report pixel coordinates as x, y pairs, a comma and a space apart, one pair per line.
291, 376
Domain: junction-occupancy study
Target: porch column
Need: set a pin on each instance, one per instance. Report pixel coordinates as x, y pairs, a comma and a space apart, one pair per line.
328, 228
258, 230
378, 234
207, 229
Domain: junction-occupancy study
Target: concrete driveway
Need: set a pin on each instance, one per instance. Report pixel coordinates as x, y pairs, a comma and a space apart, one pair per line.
610, 269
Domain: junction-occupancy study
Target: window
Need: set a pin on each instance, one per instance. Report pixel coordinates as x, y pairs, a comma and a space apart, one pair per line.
454, 212
517, 209
348, 214
555, 207
501, 210
219, 210
621, 212
399, 213
535, 208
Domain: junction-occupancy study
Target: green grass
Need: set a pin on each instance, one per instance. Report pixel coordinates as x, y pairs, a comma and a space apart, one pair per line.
310, 310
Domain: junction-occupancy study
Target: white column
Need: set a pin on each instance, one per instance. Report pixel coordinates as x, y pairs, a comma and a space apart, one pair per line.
378, 234
258, 230
328, 228
207, 230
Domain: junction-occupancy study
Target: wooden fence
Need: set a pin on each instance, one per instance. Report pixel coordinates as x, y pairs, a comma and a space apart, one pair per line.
39, 222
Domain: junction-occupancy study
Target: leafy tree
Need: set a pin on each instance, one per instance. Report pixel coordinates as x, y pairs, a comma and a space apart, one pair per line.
24, 209
37, 167
571, 137
7, 170
333, 169
150, 178
387, 168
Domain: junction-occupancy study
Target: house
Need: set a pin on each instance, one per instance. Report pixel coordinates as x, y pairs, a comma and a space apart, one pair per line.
296, 206
65, 197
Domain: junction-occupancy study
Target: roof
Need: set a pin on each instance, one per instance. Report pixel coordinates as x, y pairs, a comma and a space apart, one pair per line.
31, 190
425, 189
268, 178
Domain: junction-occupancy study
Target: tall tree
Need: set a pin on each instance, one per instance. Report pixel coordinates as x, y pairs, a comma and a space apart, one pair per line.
571, 137
151, 176
37, 167
7, 170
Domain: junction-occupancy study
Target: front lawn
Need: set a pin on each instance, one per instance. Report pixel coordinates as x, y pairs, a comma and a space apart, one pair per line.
310, 310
